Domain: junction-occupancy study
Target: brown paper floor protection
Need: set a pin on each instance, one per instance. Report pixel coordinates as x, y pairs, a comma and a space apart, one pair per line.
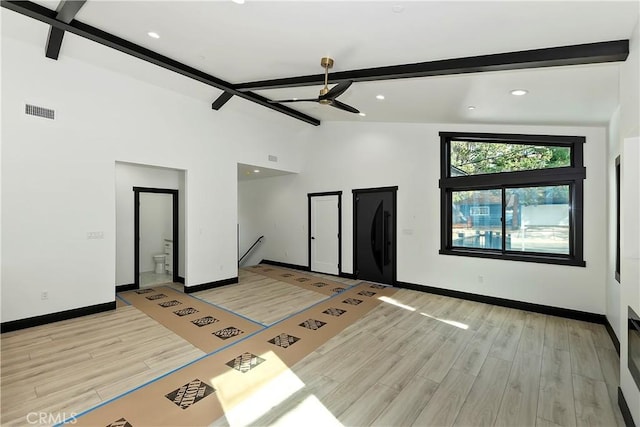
202, 324
203, 391
305, 281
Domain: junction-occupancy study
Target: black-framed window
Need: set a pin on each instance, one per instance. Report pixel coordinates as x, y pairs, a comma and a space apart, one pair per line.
513, 197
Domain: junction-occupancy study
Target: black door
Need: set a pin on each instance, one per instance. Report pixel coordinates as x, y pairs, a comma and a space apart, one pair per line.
374, 234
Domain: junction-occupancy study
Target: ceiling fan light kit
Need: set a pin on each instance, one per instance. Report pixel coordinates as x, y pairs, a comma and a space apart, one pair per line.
327, 96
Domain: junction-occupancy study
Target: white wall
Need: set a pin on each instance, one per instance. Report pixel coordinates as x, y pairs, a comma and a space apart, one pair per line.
128, 176
58, 176
258, 205
629, 257
156, 225
613, 312
346, 156
182, 247
251, 205
629, 131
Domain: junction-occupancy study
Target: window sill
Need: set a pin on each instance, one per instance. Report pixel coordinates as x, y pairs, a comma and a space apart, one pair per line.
537, 258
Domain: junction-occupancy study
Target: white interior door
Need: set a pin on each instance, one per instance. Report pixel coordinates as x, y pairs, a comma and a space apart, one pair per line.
324, 234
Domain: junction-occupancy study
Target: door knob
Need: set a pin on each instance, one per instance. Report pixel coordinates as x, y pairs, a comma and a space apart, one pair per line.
313, 238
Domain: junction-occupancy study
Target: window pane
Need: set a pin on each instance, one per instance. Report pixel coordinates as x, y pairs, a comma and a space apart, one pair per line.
537, 219
477, 219
475, 158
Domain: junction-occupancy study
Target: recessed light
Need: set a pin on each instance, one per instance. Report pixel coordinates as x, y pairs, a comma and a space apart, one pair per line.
153, 35
471, 107
380, 97
256, 171
519, 92
238, 1
362, 114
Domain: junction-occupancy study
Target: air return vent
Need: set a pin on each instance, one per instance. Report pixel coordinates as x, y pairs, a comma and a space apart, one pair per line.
34, 110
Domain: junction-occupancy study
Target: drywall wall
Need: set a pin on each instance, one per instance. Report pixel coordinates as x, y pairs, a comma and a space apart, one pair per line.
156, 225
628, 137
630, 260
612, 285
347, 156
251, 206
182, 254
128, 176
58, 175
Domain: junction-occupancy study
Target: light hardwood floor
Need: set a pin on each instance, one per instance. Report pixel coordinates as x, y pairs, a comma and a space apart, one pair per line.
67, 367
261, 298
453, 362
417, 359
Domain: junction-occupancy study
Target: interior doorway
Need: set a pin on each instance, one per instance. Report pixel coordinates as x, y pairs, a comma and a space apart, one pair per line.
374, 234
325, 232
155, 236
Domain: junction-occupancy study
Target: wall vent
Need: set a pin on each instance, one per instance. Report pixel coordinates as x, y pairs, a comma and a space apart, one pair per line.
34, 110
273, 158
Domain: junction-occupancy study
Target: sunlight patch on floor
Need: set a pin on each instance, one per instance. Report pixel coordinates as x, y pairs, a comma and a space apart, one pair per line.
396, 303
244, 402
448, 322
407, 307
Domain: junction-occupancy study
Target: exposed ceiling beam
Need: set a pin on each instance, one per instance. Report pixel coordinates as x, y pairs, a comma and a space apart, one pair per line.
591, 53
221, 100
67, 11
49, 16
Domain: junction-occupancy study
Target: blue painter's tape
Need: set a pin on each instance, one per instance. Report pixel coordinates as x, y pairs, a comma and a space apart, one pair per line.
123, 300
120, 396
72, 419
227, 310
313, 305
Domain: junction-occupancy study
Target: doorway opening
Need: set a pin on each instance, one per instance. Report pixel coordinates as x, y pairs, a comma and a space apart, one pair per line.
374, 234
156, 236
256, 236
325, 232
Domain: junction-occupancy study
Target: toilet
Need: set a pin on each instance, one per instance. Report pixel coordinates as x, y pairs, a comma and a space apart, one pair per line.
159, 261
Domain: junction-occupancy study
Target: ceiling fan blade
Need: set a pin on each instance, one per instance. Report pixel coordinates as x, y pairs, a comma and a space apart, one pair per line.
280, 101
343, 106
337, 90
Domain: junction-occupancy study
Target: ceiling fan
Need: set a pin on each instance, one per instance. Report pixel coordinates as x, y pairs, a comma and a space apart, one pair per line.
327, 96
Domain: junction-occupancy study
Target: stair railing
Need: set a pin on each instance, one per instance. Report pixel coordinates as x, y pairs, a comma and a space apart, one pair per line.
258, 240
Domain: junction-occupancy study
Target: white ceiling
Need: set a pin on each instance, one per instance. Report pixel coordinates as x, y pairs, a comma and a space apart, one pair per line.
248, 172
264, 39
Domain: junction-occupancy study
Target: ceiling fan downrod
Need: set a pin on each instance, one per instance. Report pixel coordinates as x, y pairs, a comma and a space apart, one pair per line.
326, 63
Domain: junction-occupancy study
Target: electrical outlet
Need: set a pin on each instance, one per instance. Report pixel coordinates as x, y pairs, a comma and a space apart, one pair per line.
95, 235
480, 279
44, 295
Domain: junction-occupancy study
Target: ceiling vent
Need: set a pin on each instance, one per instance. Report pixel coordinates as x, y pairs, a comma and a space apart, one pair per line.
34, 110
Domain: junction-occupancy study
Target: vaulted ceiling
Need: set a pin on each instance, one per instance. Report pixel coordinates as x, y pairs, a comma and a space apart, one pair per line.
260, 40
